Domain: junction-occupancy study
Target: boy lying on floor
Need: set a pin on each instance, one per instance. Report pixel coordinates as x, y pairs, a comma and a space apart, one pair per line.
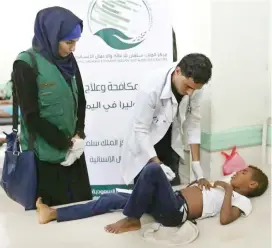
154, 195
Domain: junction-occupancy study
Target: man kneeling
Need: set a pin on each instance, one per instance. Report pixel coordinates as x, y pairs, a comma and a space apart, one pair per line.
154, 195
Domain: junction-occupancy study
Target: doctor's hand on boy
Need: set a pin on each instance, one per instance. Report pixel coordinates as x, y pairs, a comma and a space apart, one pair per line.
167, 170
204, 183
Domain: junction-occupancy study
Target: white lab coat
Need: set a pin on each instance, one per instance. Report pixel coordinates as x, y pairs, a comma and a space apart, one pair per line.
154, 110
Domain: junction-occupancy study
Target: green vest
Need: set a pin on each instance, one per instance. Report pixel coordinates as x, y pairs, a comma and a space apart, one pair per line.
58, 102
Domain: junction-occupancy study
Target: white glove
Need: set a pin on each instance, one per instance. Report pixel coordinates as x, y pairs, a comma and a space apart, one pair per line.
78, 147
168, 172
75, 152
198, 172
69, 159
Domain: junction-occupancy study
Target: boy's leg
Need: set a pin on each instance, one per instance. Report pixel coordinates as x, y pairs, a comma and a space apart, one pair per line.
152, 186
104, 204
152, 194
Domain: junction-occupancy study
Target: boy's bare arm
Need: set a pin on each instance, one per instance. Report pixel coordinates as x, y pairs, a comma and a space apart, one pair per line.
228, 213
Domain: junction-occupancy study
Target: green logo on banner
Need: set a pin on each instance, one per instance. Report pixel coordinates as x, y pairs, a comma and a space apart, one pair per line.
121, 24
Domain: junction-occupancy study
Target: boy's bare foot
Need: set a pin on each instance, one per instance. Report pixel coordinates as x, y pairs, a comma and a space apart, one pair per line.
45, 213
124, 225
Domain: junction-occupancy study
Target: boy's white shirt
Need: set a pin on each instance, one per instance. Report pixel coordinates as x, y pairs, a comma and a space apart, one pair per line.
213, 200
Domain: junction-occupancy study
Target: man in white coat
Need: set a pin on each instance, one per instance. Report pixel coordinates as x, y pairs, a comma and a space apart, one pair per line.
166, 118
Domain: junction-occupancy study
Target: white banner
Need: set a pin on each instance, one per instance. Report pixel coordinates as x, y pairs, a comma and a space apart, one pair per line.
121, 41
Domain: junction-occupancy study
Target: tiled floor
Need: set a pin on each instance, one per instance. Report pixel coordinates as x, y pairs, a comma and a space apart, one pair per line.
20, 229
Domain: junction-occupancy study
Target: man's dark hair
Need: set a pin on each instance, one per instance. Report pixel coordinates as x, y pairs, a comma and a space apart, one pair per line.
196, 66
262, 180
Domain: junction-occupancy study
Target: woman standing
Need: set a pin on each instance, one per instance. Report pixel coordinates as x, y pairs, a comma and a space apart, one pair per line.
53, 106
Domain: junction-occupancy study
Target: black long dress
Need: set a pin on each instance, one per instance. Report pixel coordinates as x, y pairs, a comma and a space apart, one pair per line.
57, 184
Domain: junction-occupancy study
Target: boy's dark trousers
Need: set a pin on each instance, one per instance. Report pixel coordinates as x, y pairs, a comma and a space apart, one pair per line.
152, 194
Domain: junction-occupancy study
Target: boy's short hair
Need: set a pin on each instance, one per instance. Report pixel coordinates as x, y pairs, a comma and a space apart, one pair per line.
262, 180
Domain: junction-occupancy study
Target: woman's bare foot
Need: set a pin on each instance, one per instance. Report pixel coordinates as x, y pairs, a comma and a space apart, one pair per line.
124, 225
45, 213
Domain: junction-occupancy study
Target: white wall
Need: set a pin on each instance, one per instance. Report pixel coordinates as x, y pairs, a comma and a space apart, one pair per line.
269, 155
17, 29
235, 34
270, 60
240, 45
269, 151
240, 55
192, 24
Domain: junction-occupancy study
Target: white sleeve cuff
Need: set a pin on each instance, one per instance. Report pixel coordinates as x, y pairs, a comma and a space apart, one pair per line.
194, 136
